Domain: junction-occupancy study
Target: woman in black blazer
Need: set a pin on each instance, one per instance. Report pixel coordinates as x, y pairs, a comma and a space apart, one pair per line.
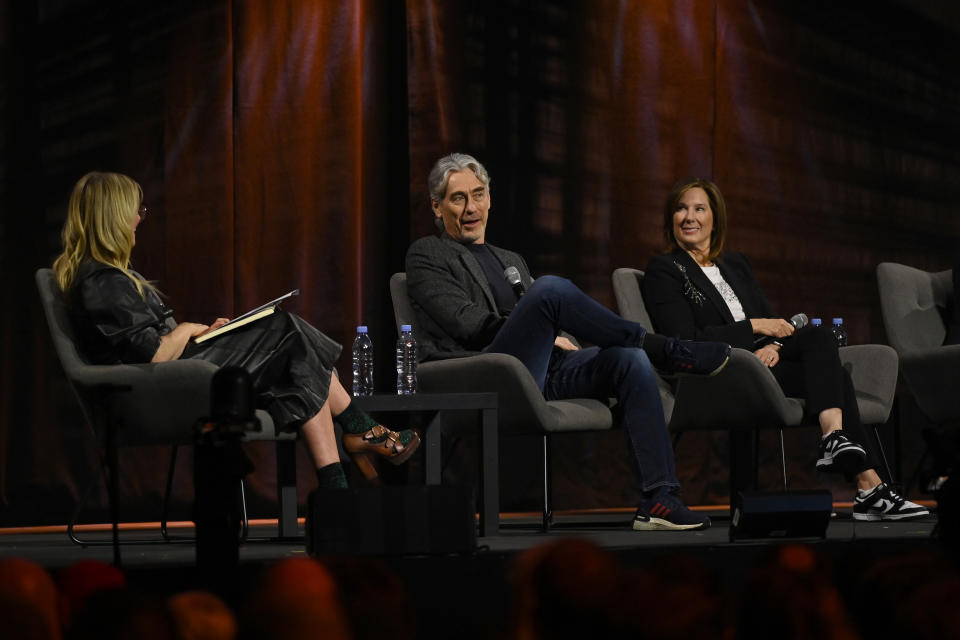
698, 293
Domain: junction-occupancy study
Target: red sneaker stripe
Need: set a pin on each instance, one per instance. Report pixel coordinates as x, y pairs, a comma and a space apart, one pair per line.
659, 510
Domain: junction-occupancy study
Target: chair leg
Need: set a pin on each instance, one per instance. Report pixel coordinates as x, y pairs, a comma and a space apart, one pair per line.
883, 455
245, 522
108, 479
755, 460
80, 504
547, 486
783, 460
742, 469
915, 476
165, 513
114, 490
286, 454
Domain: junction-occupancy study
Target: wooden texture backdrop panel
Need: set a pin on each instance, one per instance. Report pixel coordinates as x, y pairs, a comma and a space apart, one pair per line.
287, 143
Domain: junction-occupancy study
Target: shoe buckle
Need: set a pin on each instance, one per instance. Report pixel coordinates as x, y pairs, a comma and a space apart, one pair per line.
376, 432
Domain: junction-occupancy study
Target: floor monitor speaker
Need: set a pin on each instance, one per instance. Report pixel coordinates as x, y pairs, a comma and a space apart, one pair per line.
787, 514
421, 519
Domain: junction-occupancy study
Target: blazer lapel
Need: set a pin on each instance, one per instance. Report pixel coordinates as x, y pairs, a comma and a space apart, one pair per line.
702, 282
751, 307
474, 269
508, 259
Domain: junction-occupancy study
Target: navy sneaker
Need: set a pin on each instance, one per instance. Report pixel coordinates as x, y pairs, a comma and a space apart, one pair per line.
883, 503
839, 453
666, 512
696, 358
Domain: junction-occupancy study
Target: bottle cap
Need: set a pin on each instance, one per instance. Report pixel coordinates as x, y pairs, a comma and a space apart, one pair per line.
362, 328
838, 321
405, 327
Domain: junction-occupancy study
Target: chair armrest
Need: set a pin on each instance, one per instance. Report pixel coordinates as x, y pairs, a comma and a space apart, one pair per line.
147, 375
941, 360
933, 376
626, 291
874, 369
155, 403
521, 403
745, 395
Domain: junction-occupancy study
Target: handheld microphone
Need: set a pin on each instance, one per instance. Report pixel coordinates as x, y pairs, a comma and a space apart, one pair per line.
512, 274
798, 321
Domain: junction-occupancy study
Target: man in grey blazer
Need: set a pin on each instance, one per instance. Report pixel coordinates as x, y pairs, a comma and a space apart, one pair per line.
465, 305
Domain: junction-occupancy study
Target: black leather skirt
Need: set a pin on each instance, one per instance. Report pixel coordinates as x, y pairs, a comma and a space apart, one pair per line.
289, 360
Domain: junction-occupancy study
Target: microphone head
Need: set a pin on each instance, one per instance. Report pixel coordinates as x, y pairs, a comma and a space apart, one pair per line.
512, 274
799, 321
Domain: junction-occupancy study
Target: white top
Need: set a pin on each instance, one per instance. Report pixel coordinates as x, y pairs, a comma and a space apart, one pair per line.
726, 292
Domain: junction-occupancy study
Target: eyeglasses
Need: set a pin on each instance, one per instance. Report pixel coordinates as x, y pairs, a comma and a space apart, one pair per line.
142, 212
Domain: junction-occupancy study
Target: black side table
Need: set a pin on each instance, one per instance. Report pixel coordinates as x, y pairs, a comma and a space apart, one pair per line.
486, 404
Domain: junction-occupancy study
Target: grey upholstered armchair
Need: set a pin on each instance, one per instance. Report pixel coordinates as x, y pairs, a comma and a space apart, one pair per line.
147, 404
522, 407
746, 397
914, 304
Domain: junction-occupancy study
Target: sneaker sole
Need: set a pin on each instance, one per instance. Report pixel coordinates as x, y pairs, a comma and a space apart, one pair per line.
872, 517
721, 367
658, 524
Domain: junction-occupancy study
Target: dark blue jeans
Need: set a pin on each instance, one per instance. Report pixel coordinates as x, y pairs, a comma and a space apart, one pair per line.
617, 367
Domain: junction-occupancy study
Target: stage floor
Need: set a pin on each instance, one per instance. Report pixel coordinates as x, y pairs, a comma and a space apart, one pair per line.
50, 547
447, 589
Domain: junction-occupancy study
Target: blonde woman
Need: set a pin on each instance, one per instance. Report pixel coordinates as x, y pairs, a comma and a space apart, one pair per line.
119, 317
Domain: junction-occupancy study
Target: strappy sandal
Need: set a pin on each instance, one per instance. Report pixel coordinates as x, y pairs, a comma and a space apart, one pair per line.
382, 442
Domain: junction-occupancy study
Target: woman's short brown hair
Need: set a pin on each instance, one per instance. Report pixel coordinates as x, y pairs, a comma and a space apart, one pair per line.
717, 206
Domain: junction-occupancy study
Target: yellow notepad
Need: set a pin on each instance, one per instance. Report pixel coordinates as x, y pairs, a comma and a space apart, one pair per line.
250, 316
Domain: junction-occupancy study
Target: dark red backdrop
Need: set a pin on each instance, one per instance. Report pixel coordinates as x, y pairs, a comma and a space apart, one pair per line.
286, 143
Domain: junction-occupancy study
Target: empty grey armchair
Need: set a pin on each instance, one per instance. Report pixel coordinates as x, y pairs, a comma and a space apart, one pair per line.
745, 396
143, 404
914, 304
522, 407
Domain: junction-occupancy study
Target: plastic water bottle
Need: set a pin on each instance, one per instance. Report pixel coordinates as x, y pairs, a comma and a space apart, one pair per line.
816, 322
362, 363
406, 361
839, 332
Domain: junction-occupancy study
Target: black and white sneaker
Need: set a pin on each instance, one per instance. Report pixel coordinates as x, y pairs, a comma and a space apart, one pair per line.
839, 453
883, 503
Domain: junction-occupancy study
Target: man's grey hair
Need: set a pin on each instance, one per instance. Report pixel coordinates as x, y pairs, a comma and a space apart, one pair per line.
440, 174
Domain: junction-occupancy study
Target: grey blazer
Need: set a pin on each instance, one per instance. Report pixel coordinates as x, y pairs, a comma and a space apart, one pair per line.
455, 308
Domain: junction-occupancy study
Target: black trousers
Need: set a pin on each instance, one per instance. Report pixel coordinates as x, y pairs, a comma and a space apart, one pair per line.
810, 368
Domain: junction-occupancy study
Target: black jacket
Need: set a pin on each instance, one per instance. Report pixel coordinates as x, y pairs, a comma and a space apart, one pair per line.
114, 323
456, 311
683, 303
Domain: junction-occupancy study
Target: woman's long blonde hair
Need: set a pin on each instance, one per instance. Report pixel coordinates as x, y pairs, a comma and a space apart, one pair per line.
99, 226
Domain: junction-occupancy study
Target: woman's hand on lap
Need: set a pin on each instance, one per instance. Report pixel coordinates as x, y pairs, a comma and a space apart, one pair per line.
768, 355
